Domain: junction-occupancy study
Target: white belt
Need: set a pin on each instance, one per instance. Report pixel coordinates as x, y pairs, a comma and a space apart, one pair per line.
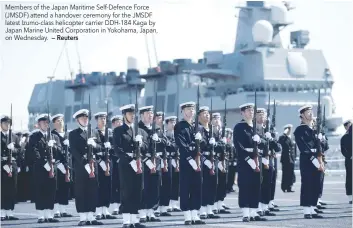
313, 150
5, 158
157, 154
191, 148
208, 153
130, 154
85, 156
249, 149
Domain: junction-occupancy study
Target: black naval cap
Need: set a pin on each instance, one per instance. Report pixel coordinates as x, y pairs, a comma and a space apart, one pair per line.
305, 108
43, 117
170, 118
187, 104
260, 110
5, 118
146, 109
245, 106
127, 108
100, 114
203, 109
80, 113
55, 117
116, 117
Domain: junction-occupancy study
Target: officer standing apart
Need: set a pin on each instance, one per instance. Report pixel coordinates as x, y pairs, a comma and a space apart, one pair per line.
8, 170
244, 138
126, 143
310, 165
44, 149
346, 149
190, 176
86, 183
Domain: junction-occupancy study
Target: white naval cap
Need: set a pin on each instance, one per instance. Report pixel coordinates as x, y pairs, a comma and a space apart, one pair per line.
159, 113
204, 108
304, 108
261, 110
43, 116
245, 106
100, 114
170, 118
116, 117
287, 126
345, 123
216, 114
53, 118
127, 108
146, 109
187, 104
229, 129
81, 112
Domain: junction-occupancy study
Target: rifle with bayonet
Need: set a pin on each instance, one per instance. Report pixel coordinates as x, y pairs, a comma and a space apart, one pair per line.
212, 146
89, 135
318, 131
177, 155
67, 175
224, 135
9, 140
255, 149
106, 153
267, 129
154, 143
165, 159
197, 142
50, 159
137, 151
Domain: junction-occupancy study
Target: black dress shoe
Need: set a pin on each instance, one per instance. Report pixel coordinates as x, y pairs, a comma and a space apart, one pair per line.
3, 218
99, 217
41, 220
274, 205
66, 215
82, 223
350, 202
307, 216
203, 216
225, 207
169, 210
215, 211
139, 225
115, 213
176, 210
223, 211
143, 220
318, 211
322, 203
273, 209
52, 220
212, 216
258, 218
290, 190
157, 214
128, 225
97, 223
187, 222
320, 207
166, 214
109, 217
261, 213
153, 219
268, 213
57, 215
317, 216
246, 219
198, 222
12, 218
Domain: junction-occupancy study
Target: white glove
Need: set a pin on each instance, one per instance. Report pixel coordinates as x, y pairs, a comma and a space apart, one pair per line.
103, 165
193, 164
23, 139
88, 169
268, 135
316, 162
220, 166
6, 168
150, 164
66, 142
198, 136
91, 142
155, 137
265, 161
18, 169
138, 138
319, 136
61, 167
224, 140
47, 166
51, 143
212, 141
208, 164
27, 169
252, 164
107, 145
133, 164
256, 138
11, 146
173, 163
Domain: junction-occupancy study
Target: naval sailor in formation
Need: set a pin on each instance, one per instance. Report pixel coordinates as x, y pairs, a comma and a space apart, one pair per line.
346, 150
310, 144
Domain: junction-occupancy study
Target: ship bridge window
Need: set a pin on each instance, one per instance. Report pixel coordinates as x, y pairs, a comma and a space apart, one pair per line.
149, 101
68, 114
76, 108
162, 83
85, 106
275, 89
78, 94
160, 103
171, 103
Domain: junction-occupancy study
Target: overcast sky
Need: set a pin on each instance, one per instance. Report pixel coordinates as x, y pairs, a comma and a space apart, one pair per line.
186, 30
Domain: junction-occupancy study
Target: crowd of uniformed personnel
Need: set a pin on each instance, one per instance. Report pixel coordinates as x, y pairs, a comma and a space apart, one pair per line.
144, 168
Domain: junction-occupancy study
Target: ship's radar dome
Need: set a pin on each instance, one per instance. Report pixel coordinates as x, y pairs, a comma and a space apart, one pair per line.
262, 32
279, 13
297, 64
327, 103
131, 63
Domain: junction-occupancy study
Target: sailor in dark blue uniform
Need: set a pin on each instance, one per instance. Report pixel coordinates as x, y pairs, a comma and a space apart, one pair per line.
151, 165
346, 150
174, 168
209, 176
244, 138
127, 144
310, 163
190, 176
232, 163
104, 166
63, 170
8, 169
117, 121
